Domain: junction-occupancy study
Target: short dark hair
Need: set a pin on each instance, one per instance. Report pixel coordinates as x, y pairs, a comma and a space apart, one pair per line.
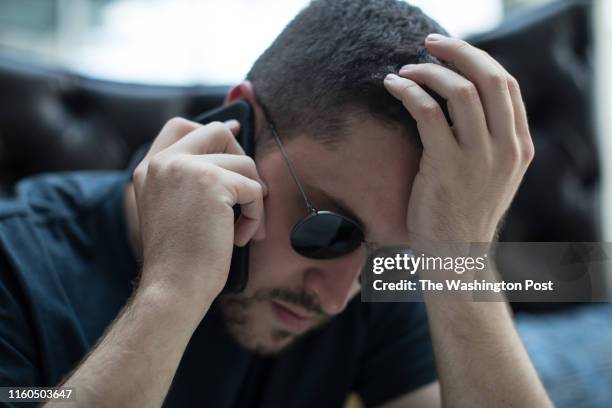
330, 62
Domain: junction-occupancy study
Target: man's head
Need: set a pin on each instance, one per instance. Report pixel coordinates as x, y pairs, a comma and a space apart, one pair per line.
330, 61
354, 147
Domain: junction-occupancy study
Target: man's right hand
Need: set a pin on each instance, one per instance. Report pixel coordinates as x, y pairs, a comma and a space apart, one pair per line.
185, 189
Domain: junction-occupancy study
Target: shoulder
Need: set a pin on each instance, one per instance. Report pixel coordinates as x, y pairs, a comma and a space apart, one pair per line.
59, 286
58, 228
59, 195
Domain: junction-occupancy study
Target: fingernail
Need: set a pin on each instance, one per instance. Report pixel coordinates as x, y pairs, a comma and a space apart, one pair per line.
391, 77
264, 188
232, 123
435, 37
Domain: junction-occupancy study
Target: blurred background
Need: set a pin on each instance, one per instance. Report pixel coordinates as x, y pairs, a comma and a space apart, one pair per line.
179, 41
185, 41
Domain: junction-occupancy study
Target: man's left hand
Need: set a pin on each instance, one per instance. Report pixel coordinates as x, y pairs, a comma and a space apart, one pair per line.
470, 172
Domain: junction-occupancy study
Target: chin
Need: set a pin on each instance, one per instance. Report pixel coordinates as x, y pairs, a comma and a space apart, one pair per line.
256, 325
253, 328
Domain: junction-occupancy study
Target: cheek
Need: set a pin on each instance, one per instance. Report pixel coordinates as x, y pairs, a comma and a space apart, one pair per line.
273, 263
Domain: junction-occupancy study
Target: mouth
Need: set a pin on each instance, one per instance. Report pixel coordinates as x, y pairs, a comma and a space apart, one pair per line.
295, 319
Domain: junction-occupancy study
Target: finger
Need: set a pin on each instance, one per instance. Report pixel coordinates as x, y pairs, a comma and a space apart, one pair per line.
214, 137
435, 133
244, 166
240, 164
490, 80
521, 123
249, 194
464, 102
173, 130
233, 125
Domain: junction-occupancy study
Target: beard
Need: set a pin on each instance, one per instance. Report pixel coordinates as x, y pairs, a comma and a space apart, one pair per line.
255, 331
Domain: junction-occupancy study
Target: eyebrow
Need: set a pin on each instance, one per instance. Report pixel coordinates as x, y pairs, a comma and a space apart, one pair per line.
344, 209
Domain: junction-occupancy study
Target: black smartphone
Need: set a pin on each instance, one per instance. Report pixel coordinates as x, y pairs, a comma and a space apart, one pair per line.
242, 111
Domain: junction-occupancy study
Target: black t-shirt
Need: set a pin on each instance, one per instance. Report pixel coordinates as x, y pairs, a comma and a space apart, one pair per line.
66, 270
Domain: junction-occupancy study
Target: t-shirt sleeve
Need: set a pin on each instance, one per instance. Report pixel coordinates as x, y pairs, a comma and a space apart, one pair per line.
18, 353
398, 356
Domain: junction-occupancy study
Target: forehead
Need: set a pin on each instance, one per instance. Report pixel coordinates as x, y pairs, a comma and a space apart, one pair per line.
370, 171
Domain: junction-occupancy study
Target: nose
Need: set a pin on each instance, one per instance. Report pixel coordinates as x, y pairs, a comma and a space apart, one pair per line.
334, 281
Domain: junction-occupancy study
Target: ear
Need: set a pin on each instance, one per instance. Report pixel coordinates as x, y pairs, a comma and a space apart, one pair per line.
243, 90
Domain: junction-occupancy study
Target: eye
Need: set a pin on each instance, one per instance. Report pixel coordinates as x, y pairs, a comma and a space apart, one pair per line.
332, 206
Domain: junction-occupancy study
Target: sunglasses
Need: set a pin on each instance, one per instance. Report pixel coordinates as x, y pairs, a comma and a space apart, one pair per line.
321, 234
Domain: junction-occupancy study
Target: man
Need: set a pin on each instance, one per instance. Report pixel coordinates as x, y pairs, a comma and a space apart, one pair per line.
334, 128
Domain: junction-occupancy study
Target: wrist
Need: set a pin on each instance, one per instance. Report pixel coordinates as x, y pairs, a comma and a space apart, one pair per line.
169, 302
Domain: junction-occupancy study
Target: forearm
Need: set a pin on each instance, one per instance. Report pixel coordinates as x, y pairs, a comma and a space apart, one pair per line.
134, 363
480, 358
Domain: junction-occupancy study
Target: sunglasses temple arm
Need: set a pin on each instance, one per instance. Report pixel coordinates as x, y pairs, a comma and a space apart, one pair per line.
309, 206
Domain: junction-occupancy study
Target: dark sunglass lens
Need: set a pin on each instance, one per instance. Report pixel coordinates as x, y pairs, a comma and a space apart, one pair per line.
326, 235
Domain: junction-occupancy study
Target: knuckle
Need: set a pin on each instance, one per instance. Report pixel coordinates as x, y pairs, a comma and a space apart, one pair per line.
461, 45
247, 183
467, 91
529, 150
219, 131
430, 111
175, 128
208, 174
487, 55
407, 89
175, 166
156, 165
248, 160
257, 188
138, 174
217, 127
496, 80
511, 155
177, 124
513, 84
514, 154
256, 192
250, 164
